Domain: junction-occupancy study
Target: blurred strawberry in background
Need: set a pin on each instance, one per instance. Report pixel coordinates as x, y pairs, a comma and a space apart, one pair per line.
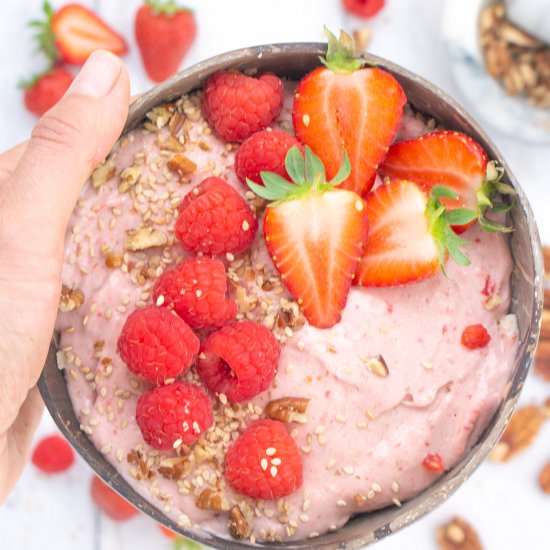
43, 91
363, 8
53, 455
110, 502
164, 33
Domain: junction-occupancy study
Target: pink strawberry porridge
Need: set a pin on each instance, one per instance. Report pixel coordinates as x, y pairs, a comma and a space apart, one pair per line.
373, 406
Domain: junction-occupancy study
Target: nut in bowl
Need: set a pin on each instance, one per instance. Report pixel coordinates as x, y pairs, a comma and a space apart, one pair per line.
249, 381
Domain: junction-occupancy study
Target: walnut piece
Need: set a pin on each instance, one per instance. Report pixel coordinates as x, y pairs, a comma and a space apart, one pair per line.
520, 433
70, 299
145, 238
458, 535
240, 521
211, 499
288, 409
181, 165
103, 173
129, 177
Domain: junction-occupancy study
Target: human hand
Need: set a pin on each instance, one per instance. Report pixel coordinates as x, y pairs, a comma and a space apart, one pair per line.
40, 182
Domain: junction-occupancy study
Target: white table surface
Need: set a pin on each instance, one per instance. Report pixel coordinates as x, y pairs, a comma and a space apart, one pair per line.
502, 501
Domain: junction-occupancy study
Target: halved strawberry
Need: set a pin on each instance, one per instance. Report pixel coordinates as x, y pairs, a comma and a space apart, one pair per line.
344, 106
410, 235
315, 233
451, 159
74, 32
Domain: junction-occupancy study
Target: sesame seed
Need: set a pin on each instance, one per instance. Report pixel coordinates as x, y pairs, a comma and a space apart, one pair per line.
376, 488
306, 119
340, 503
264, 464
340, 418
396, 501
273, 471
160, 300
119, 455
270, 451
321, 439
276, 461
177, 443
305, 449
300, 345
304, 518
198, 293
319, 430
427, 365
395, 486
245, 225
359, 206
106, 449
330, 464
348, 470
361, 425
223, 398
370, 414
371, 494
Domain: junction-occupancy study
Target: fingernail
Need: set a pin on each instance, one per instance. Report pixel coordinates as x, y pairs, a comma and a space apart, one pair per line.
98, 75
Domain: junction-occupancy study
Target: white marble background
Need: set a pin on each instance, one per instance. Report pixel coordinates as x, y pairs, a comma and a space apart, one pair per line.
502, 501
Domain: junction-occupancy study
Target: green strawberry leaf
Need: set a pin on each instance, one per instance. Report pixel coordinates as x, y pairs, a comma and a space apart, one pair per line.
276, 183
262, 191
341, 53
460, 216
315, 170
343, 172
294, 164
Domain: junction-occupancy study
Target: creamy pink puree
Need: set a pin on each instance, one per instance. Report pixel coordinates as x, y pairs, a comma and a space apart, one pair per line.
366, 436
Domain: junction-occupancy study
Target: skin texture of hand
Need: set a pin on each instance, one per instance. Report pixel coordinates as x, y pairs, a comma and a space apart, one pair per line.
40, 182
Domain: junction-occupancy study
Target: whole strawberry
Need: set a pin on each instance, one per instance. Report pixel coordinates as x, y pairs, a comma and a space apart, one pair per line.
45, 90
237, 105
264, 462
363, 8
53, 455
164, 34
156, 344
173, 415
111, 503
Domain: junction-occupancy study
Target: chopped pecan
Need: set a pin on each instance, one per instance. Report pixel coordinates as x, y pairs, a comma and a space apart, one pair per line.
240, 521
181, 165
160, 115
458, 535
289, 314
520, 433
145, 238
113, 260
103, 173
288, 409
70, 299
173, 144
128, 178
212, 499
137, 458
174, 468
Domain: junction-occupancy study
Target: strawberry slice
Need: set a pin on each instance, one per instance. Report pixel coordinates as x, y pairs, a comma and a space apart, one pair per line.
315, 233
410, 234
344, 106
454, 160
74, 32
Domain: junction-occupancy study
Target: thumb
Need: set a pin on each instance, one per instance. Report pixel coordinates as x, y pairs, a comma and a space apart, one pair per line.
66, 145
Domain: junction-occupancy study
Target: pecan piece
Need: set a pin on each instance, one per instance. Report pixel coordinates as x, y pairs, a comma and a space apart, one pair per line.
113, 260
103, 173
211, 499
458, 535
288, 409
240, 521
520, 433
145, 238
173, 144
181, 165
174, 468
70, 299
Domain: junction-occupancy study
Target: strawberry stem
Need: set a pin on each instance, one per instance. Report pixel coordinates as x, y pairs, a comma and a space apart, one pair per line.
307, 175
341, 53
491, 186
165, 7
45, 37
439, 225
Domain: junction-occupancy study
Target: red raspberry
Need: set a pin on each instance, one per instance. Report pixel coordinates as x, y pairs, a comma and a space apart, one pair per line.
173, 415
363, 8
264, 462
53, 455
237, 105
156, 344
263, 151
433, 463
475, 337
240, 360
111, 503
196, 290
217, 221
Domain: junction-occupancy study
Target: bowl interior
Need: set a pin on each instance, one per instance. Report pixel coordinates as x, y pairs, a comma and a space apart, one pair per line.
293, 61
